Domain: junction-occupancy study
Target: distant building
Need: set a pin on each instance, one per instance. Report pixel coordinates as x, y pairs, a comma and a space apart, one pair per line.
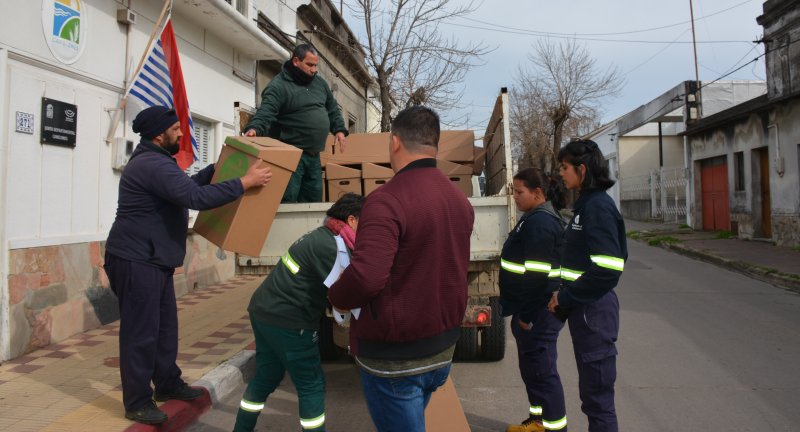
647, 154
746, 158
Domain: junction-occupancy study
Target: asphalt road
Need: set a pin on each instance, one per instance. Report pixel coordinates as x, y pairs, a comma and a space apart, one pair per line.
701, 349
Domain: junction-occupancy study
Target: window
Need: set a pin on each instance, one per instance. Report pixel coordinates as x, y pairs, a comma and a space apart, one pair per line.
351, 123
738, 171
203, 133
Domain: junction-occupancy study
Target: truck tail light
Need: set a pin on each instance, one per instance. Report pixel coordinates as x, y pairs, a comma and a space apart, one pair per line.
477, 316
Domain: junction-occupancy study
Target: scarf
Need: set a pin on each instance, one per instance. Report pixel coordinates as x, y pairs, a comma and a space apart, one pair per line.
298, 76
341, 228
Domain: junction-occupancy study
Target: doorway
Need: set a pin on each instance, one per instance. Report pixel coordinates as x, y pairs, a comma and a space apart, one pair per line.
763, 196
714, 186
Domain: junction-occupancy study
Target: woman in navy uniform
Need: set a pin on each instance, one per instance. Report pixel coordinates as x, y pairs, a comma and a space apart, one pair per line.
528, 277
594, 256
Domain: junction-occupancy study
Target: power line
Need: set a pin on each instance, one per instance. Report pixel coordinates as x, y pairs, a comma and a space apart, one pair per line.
556, 36
543, 33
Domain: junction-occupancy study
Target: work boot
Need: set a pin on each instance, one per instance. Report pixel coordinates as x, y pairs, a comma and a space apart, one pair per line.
184, 393
147, 414
529, 425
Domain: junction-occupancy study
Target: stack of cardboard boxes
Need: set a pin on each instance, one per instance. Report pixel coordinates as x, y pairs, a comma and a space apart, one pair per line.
242, 226
364, 165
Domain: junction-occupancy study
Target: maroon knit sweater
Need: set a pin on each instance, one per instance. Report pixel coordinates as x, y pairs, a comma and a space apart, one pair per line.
408, 272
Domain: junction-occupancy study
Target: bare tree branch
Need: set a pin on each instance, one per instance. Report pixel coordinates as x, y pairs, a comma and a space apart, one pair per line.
558, 96
412, 62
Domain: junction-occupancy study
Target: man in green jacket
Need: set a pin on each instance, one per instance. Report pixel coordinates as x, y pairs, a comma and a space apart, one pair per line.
298, 108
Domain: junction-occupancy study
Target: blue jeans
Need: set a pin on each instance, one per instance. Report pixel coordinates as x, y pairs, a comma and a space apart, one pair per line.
398, 404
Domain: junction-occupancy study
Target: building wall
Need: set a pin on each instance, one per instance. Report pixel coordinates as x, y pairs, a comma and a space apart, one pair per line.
777, 130
58, 203
638, 155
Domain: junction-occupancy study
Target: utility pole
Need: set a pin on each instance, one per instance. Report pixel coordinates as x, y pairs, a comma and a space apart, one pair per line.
696, 72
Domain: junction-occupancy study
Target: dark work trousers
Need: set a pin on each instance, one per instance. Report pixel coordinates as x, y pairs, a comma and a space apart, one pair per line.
305, 184
537, 352
280, 350
148, 330
594, 328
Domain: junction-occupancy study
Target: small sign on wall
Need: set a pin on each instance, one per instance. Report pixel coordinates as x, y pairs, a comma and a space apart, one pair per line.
24, 122
59, 122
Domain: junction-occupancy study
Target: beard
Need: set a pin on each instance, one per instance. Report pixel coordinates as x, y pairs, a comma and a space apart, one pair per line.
173, 149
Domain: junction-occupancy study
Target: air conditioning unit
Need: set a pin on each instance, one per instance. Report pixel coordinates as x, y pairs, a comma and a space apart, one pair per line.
126, 16
123, 148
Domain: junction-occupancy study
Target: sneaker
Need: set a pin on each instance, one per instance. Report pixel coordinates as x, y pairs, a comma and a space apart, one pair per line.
184, 393
528, 425
147, 414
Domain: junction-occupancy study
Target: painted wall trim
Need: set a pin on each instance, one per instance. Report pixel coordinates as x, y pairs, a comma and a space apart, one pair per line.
5, 331
55, 241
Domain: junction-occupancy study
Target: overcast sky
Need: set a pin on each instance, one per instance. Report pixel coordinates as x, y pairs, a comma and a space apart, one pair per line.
648, 40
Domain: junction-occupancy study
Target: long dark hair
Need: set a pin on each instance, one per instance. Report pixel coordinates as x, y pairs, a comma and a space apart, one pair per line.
588, 154
553, 188
348, 204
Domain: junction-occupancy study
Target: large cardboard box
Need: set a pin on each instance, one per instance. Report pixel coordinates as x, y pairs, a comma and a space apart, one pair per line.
459, 174
444, 411
360, 148
341, 180
457, 146
374, 176
242, 225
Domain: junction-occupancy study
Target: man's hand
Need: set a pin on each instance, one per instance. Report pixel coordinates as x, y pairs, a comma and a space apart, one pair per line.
257, 175
250, 133
553, 302
339, 139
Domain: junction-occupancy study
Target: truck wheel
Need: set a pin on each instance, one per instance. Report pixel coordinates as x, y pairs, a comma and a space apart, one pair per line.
493, 338
327, 349
467, 345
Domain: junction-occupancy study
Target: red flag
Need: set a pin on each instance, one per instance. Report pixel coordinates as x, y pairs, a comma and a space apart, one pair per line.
185, 156
160, 82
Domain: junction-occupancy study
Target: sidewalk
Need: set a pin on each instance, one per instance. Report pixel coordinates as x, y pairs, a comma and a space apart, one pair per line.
75, 386
761, 260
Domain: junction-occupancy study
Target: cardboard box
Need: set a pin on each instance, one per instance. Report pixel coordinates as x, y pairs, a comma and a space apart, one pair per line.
459, 174
374, 176
341, 180
479, 160
454, 146
242, 225
457, 146
360, 148
444, 411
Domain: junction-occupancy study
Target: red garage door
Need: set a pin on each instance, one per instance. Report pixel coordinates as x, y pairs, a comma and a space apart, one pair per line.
714, 183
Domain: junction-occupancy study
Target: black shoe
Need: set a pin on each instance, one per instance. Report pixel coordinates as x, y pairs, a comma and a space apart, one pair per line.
147, 414
184, 393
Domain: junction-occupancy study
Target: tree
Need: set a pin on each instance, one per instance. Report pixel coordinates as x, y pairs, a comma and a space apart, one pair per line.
412, 62
558, 95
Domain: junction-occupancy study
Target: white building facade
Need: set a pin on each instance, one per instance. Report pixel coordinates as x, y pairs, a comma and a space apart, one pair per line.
58, 198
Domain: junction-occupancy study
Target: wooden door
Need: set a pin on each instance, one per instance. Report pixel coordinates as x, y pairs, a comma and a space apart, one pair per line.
766, 197
714, 186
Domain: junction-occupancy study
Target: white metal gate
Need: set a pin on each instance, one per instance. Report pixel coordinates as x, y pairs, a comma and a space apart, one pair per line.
664, 188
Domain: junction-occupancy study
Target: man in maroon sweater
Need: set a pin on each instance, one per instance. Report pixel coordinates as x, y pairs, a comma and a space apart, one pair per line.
408, 274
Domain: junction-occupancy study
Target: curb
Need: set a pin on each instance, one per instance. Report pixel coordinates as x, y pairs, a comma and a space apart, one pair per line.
746, 269
217, 385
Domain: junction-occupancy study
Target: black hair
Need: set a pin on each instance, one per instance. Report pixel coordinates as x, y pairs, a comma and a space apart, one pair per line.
301, 50
588, 154
417, 126
553, 188
348, 204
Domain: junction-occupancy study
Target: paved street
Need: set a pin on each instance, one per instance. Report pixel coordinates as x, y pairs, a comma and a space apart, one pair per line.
701, 349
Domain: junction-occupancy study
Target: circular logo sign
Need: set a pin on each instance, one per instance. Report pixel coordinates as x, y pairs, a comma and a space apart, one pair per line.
64, 26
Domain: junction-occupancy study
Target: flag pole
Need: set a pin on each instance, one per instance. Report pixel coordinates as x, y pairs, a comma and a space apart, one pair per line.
124, 101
